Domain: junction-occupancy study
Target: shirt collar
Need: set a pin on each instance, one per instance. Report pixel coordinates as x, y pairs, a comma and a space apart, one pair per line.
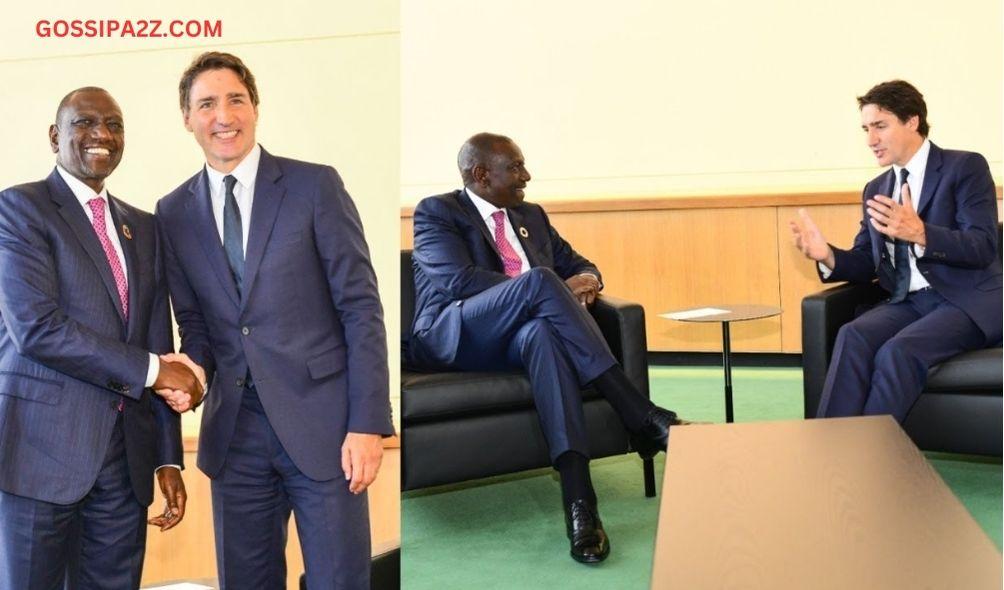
245, 172
485, 209
80, 190
917, 164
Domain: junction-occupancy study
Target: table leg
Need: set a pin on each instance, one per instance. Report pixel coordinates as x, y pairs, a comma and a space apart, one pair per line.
727, 362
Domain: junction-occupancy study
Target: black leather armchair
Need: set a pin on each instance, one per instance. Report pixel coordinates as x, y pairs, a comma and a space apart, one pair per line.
461, 426
960, 408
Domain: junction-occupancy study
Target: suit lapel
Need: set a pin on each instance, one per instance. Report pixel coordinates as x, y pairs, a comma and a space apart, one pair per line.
519, 225
932, 176
124, 228
72, 212
268, 195
475, 217
205, 232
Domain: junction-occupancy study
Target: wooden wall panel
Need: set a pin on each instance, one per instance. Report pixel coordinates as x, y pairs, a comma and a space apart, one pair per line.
188, 551
673, 259
684, 252
797, 275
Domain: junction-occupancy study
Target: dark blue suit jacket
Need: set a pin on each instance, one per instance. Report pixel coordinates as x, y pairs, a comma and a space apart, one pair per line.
455, 257
67, 358
959, 208
309, 326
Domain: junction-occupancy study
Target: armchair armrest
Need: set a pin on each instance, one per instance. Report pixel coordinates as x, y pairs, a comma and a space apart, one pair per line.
623, 326
822, 315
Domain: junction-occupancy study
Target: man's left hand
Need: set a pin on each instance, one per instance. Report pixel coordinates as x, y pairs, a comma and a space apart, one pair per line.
173, 488
361, 456
584, 287
895, 220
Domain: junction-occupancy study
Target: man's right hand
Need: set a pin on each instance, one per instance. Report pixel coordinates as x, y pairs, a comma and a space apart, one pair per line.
178, 384
810, 241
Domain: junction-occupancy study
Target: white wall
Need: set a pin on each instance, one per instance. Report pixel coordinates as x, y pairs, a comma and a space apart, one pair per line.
636, 98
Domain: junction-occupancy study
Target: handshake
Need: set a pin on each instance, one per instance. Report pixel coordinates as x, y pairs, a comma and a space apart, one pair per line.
181, 382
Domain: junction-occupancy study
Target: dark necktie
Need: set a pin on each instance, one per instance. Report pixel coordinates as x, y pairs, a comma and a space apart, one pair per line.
233, 233
901, 255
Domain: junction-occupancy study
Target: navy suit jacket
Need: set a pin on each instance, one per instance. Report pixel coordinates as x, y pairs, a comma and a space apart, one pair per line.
455, 257
958, 205
309, 325
67, 357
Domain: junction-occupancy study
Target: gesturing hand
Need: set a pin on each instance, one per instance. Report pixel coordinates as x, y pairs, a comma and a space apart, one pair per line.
361, 456
810, 241
585, 287
895, 220
173, 488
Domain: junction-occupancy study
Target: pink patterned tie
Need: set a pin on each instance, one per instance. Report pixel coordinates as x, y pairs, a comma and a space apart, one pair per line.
97, 206
511, 262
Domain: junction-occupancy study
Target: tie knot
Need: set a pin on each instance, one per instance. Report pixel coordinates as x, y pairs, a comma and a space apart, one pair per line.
497, 216
97, 205
903, 173
229, 181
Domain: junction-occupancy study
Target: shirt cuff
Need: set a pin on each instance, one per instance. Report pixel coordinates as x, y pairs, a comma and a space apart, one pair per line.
918, 250
178, 467
824, 271
152, 370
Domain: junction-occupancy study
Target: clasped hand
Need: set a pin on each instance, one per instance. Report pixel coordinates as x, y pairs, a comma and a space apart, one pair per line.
585, 287
181, 382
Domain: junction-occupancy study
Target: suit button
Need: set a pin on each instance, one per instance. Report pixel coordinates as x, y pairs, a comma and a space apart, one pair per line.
240, 382
245, 330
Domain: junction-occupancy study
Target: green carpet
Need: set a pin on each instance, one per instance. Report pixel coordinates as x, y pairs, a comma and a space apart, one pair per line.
509, 532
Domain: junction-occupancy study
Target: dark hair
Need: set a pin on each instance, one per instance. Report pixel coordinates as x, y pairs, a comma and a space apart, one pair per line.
215, 60
478, 149
901, 99
66, 99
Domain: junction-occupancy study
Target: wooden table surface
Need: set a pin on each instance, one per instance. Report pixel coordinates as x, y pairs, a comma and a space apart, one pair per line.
837, 503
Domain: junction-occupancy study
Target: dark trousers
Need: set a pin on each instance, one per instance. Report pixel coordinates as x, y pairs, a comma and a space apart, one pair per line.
533, 323
95, 543
253, 495
880, 359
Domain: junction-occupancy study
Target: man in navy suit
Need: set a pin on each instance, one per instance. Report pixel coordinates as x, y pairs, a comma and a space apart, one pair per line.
929, 234
498, 289
276, 298
83, 303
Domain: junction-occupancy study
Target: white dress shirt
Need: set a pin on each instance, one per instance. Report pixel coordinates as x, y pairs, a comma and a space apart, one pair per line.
916, 166
246, 172
84, 194
486, 210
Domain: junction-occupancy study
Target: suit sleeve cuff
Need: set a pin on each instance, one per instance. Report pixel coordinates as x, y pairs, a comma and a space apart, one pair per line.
824, 271
152, 370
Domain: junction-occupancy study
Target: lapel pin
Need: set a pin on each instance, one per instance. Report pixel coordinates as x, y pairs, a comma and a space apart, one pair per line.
523, 232
126, 232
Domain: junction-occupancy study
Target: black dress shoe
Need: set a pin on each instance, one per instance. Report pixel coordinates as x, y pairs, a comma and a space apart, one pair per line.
653, 436
585, 532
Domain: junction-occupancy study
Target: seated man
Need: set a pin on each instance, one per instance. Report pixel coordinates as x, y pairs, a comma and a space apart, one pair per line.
497, 288
929, 234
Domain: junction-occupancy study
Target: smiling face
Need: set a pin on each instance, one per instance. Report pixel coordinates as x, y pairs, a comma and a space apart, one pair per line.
501, 179
222, 117
88, 137
891, 140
